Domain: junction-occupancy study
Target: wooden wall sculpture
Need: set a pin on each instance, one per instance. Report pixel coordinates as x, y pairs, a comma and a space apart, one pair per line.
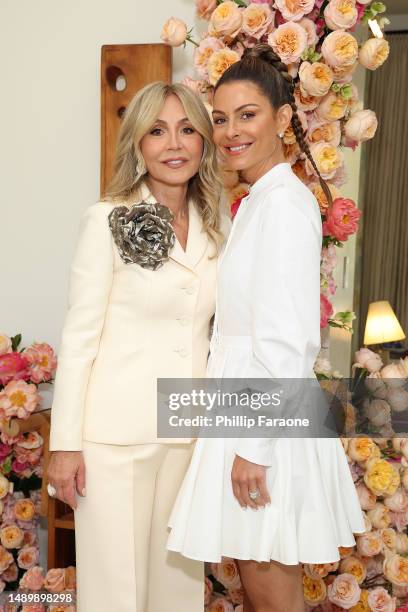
124, 70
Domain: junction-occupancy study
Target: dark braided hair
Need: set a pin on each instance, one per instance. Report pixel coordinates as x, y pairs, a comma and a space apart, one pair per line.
263, 67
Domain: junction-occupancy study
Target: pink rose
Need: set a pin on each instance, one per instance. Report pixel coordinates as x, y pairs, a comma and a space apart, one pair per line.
227, 573
19, 399
293, 10
42, 361
344, 591
256, 19
5, 451
33, 579
380, 601
364, 358
13, 366
11, 573
342, 219
221, 604
55, 580
326, 310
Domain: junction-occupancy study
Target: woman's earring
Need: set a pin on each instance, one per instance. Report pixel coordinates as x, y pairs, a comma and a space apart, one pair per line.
280, 135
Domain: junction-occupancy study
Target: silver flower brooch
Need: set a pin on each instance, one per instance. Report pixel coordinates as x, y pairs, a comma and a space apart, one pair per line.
143, 233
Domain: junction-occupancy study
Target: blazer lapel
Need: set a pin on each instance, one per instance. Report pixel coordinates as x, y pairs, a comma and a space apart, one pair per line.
197, 239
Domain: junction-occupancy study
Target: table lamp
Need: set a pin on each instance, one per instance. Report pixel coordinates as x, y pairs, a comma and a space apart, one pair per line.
382, 326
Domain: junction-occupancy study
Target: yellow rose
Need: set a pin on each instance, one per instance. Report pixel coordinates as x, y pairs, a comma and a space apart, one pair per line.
219, 62
332, 107
389, 538
374, 52
353, 565
328, 159
381, 477
361, 449
379, 516
340, 49
4, 486
256, 19
362, 605
314, 590
369, 544
321, 198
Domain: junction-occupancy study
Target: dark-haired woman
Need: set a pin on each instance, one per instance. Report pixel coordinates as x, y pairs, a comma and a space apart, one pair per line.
270, 503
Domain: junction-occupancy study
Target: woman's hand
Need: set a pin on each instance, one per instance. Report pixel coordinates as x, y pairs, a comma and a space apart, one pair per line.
247, 476
66, 472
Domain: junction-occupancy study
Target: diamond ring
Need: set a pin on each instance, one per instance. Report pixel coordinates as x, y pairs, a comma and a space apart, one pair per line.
254, 494
51, 490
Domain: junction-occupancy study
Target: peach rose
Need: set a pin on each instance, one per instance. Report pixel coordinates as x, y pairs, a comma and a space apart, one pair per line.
395, 569
389, 539
366, 497
11, 573
320, 196
11, 536
227, 573
401, 543
394, 375
364, 358
379, 516
30, 440
55, 580
62, 608
219, 62
332, 107
36, 607
327, 158
315, 79
208, 589
174, 32
344, 591
341, 14
398, 501
325, 131
378, 412
304, 102
369, 544
256, 19
205, 8
381, 477
361, 126
226, 20
380, 601
5, 486
6, 559
353, 565
314, 590
19, 399
24, 510
345, 551
340, 49
404, 475
204, 51
293, 10
28, 556
289, 40
403, 366
317, 570
33, 579
221, 604
5, 344
310, 28
398, 399
374, 52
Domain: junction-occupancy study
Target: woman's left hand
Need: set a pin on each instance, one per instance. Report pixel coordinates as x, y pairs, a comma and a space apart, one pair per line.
247, 476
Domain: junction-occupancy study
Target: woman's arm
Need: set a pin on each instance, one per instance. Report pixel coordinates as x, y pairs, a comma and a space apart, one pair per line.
285, 299
90, 283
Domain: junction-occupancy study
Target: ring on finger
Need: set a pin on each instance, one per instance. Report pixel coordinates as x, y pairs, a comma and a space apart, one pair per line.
254, 494
52, 491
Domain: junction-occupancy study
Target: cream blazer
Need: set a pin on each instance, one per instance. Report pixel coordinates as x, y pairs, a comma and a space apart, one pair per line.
125, 327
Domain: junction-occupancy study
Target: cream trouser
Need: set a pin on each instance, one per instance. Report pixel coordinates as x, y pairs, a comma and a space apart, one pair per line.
121, 532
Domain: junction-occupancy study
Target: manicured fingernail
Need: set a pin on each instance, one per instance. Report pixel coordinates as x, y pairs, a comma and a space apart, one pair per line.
83, 492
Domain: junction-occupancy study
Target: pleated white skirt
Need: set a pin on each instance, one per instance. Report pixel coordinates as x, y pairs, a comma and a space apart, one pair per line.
314, 504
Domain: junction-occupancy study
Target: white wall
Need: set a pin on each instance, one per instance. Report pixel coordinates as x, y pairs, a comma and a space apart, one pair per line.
50, 122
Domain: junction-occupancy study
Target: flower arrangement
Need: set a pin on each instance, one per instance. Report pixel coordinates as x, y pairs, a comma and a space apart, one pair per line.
315, 39
373, 575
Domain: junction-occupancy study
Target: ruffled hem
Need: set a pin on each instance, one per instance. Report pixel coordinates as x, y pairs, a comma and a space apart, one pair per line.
314, 506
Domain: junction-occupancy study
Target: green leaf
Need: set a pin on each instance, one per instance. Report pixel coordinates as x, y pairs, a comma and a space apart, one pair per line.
15, 341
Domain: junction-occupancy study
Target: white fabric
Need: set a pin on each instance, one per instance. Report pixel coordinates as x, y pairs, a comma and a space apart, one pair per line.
268, 325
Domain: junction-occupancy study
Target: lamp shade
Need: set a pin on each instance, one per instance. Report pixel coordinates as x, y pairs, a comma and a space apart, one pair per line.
382, 325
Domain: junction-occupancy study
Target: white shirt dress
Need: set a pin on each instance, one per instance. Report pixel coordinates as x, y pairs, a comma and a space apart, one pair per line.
268, 326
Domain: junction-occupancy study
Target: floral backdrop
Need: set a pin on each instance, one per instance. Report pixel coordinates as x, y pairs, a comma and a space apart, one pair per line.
317, 41
22, 372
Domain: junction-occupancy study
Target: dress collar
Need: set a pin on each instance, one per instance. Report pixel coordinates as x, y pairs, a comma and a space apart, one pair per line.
269, 178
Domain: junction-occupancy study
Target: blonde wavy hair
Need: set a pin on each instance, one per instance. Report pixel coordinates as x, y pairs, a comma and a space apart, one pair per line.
129, 166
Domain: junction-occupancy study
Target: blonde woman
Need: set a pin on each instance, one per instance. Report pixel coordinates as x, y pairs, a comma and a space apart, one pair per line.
142, 293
